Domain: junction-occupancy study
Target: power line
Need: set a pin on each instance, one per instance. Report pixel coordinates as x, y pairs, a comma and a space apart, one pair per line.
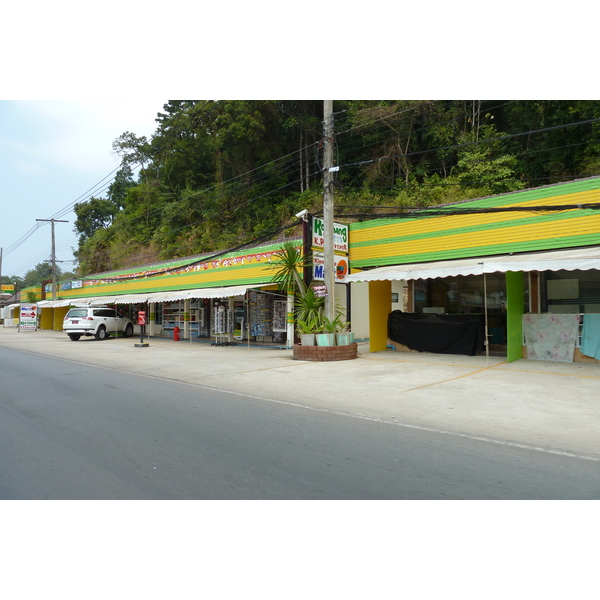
464, 144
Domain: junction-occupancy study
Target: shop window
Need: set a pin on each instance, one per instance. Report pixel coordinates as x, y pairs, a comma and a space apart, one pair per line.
570, 291
465, 296
461, 295
158, 313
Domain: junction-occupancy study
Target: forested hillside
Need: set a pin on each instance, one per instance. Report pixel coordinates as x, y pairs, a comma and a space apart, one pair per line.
218, 174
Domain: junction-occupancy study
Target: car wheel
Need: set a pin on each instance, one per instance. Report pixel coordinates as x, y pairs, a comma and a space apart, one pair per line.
74, 336
101, 333
128, 330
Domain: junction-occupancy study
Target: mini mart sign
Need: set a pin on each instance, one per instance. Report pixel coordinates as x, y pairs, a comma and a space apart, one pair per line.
340, 262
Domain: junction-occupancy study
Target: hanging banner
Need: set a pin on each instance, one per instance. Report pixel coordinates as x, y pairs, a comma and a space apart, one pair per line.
28, 318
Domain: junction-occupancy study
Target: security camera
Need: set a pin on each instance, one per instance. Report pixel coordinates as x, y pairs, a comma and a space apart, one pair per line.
302, 214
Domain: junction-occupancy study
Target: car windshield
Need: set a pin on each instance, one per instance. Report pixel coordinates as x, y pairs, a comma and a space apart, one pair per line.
75, 313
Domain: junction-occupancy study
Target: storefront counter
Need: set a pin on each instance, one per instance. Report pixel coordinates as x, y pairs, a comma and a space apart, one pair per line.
441, 334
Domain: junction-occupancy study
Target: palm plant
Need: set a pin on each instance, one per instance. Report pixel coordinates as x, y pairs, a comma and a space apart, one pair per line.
288, 264
309, 309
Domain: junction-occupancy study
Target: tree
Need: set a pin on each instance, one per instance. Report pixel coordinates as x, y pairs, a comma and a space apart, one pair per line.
487, 163
218, 173
41, 272
117, 190
133, 150
92, 215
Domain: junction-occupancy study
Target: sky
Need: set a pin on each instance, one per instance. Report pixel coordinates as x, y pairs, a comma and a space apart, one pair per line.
54, 153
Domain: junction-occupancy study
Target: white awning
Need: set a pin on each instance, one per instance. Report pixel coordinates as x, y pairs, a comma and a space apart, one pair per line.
70, 302
582, 259
100, 300
132, 299
220, 292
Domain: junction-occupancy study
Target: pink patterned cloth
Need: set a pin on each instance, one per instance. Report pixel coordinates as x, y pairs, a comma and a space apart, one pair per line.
550, 337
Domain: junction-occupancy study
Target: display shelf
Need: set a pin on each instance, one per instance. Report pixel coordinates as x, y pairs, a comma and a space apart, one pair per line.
261, 318
279, 316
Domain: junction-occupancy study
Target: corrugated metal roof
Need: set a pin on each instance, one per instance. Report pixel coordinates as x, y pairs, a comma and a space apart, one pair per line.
455, 236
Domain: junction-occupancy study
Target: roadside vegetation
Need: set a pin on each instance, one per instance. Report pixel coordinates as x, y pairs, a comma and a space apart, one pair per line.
219, 174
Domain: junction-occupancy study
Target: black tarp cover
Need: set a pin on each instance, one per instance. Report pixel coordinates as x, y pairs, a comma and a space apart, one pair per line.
442, 334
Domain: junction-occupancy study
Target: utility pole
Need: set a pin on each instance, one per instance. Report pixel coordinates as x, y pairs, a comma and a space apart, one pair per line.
329, 265
53, 259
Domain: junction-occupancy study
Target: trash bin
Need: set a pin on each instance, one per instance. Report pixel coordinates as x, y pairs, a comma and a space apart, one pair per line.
176, 331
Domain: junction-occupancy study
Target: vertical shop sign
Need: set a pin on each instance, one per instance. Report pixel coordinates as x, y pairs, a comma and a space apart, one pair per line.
340, 236
28, 318
340, 248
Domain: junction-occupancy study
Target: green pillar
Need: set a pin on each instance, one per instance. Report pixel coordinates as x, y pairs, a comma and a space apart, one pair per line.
515, 301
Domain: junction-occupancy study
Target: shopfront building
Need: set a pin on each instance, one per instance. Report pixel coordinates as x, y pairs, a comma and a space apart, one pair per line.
220, 299
505, 261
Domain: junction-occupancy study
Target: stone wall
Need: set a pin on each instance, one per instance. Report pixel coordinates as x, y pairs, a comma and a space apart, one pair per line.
325, 353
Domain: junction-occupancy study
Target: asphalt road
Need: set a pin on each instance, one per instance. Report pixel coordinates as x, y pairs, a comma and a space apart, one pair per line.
74, 431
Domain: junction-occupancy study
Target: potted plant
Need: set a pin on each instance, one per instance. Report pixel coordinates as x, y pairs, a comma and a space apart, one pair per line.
344, 337
329, 329
309, 305
306, 329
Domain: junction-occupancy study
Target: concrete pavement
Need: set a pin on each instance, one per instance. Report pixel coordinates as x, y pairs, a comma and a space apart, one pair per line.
549, 407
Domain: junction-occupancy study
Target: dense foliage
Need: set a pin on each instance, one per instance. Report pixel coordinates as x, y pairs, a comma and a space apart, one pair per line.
217, 174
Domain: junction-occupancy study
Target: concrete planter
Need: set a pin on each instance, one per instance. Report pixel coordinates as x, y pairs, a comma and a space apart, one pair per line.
325, 339
307, 339
343, 339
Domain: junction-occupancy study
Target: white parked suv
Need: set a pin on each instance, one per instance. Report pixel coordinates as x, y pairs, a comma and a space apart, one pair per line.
99, 321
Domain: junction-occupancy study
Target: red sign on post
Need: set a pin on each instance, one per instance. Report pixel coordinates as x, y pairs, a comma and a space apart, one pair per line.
142, 317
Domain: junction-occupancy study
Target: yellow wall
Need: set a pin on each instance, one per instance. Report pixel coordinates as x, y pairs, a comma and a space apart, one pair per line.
380, 306
46, 318
59, 317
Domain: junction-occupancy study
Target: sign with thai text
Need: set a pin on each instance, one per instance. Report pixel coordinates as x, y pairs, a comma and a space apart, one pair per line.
28, 316
340, 236
320, 290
